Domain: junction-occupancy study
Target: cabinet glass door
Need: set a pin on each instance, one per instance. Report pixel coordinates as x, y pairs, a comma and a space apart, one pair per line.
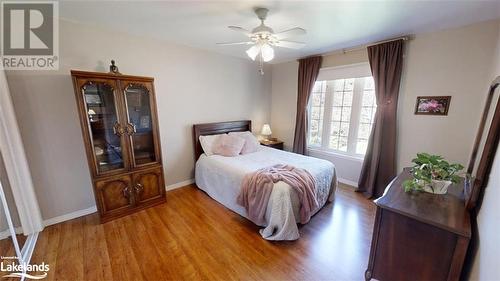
140, 123
104, 126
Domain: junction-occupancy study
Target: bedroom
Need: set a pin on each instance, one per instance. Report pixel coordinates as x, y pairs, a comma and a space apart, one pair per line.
450, 48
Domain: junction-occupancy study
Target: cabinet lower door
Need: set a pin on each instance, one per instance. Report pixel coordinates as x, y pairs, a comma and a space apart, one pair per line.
148, 185
114, 196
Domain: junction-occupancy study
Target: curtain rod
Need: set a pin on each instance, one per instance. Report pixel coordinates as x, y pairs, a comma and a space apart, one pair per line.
360, 47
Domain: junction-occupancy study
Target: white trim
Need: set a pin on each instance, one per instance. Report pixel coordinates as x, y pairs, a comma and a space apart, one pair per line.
70, 216
348, 182
334, 153
179, 184
356, 70
16, 164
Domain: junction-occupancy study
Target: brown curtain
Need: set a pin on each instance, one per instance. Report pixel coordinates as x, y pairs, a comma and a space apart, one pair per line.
308, 72
379, 166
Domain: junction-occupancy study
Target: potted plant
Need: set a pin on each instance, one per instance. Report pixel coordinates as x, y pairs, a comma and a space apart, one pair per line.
433, 174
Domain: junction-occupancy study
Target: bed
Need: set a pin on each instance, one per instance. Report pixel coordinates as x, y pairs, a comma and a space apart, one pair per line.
220, 177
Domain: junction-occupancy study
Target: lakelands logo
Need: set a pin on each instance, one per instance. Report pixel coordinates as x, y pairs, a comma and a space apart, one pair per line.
30, 35
20, 269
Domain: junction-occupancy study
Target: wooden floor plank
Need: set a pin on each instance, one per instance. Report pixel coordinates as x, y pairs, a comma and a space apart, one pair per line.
70, 251
193, 237
124, 264
96, 262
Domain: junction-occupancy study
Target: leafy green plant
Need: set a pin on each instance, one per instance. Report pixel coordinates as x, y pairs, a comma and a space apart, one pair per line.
429, 167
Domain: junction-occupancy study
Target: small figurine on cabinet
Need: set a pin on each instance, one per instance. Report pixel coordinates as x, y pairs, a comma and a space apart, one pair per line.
113, 68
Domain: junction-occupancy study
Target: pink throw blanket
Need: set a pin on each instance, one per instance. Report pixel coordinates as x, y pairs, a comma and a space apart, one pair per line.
257, 187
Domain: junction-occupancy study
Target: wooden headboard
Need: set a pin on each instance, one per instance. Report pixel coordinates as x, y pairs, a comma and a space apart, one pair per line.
216, 128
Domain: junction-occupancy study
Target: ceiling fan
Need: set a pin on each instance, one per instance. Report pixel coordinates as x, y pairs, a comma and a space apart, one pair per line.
264, 39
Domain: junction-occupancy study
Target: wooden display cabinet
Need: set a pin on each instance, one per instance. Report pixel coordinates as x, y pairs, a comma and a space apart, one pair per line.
119, 123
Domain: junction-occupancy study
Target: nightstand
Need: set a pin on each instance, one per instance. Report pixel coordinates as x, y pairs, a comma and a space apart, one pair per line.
272, 143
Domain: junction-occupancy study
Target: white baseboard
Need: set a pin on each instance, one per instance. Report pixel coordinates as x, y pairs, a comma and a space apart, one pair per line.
179, 184
70, 216
93, 209
348, 182
6, 233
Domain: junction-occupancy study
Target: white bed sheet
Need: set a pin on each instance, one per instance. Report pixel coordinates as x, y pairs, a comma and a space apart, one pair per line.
220, 177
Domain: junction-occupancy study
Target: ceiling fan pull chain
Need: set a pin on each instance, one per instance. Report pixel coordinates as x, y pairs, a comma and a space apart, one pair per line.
261, 64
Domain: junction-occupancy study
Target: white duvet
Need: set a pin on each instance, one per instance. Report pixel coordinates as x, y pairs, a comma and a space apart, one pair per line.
220, 177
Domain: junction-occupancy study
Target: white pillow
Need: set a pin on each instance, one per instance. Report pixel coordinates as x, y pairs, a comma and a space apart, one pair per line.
251, 142
207, 143
228, 145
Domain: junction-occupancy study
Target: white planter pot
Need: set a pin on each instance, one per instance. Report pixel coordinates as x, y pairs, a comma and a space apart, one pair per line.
437, 187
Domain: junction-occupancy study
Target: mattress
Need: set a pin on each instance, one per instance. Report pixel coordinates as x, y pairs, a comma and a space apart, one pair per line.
220, 177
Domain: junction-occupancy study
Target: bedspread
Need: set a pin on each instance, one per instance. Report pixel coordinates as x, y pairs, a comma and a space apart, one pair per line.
220, 177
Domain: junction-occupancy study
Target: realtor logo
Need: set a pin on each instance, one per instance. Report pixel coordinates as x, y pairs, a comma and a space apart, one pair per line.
30, 35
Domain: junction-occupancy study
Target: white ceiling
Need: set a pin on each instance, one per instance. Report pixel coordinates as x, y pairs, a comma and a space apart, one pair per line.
330, 25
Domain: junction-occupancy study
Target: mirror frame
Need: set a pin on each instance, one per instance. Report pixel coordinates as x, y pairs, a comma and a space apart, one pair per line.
473, 189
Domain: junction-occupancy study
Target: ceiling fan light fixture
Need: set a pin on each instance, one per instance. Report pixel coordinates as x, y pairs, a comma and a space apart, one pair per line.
267, 52
253, 51
265, 39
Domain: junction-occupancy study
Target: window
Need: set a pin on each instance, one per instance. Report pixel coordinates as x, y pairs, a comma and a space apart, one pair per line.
317, 109
341, 115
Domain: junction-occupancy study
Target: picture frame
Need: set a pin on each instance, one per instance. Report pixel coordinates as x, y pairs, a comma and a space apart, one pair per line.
432, 105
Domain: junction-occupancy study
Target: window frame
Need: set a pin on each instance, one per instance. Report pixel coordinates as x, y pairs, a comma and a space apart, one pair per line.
328, 75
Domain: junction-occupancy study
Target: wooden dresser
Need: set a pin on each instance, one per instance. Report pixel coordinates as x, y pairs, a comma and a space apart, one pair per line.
120, 130
418, 235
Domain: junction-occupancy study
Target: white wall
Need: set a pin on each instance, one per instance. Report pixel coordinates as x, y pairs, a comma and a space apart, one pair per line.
192, 86
284, 101
485, 266
455, 63
451, 62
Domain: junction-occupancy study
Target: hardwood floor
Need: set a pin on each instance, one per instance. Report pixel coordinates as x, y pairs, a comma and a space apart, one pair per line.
193, 237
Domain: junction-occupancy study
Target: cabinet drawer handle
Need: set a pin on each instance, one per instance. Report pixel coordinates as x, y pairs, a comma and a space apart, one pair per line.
130, 129
138, 188
118, 129
126, 192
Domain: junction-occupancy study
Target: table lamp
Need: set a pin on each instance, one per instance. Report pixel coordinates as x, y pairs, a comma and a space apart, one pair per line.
266, 131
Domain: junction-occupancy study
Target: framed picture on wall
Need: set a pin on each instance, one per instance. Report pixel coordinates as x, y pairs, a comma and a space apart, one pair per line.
432, 105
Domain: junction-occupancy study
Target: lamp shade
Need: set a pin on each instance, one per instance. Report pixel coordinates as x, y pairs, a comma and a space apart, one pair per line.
264, 49
266, 130
253, 51
267, 52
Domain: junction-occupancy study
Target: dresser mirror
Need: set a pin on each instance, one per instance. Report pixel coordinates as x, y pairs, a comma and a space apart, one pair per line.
485, 146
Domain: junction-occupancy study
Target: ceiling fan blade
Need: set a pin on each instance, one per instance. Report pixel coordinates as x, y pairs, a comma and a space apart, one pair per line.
235, 43
241, 30
290, 44
290, 33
